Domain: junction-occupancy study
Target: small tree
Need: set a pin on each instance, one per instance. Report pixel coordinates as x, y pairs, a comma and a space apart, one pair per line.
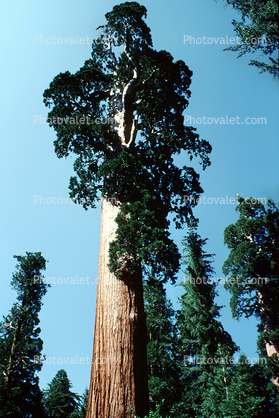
20, 345
59, 400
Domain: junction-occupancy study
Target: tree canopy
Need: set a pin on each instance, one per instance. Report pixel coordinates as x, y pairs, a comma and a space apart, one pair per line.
142, 94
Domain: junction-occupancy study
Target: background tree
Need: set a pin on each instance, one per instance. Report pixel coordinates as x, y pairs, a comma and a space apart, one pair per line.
59, 400
249, 391
254, 269
129, 162
81, 407
206, 348
20, 344
212, 380
259, 22
162, 350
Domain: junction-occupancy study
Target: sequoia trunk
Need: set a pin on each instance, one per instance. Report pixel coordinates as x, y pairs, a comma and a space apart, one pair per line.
118, 384
268, 326
270, 347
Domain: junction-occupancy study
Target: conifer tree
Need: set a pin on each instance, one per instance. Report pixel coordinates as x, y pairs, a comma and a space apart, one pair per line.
80, 409
207, 349
162, 350
59, 400
249, 393
141, 94
20, 344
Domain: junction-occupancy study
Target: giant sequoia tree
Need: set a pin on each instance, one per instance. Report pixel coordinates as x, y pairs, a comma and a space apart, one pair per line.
139, 94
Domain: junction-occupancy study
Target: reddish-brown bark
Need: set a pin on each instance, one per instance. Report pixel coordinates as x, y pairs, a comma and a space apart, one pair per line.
118, 384
269, 327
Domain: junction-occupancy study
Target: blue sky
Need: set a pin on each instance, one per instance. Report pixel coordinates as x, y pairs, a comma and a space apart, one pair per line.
244, 157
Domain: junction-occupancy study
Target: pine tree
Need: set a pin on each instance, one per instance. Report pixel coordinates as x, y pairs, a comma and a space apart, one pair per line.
207, 349
20, 344
128, 161
59, 400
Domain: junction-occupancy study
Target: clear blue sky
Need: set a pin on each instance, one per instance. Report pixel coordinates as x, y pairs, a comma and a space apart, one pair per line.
244, 157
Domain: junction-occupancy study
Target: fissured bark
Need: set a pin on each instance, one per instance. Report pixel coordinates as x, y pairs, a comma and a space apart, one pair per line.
118, 384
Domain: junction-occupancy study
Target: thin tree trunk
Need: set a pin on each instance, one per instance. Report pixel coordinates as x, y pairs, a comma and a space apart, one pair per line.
118, 385
7, 377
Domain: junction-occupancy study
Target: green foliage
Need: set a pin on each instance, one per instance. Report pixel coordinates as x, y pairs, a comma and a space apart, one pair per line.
206, 348
58, 399
162, 348
217, 383
143, 236
249, 394
253, 259
20, 344
125, 25
156, 413
81, 406
254, 269
126, 75
197, 318
271, 363
199, 353
258, 32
